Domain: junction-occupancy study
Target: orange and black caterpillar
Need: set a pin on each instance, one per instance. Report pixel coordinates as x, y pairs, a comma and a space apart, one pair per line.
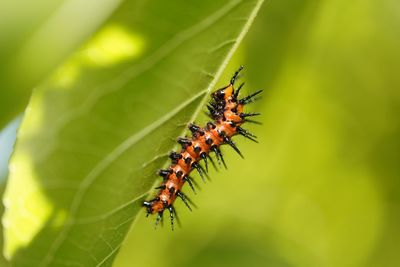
226, 110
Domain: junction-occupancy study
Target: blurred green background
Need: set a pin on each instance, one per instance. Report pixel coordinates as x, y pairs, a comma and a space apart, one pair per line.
322, 188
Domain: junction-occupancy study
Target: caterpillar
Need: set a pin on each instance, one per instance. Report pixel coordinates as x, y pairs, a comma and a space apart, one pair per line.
226, 111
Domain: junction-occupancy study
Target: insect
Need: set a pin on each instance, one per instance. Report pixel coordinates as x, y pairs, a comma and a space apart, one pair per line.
226, 111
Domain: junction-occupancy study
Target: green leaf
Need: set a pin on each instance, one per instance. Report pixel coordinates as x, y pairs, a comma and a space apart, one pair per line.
96, 132
35, 37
